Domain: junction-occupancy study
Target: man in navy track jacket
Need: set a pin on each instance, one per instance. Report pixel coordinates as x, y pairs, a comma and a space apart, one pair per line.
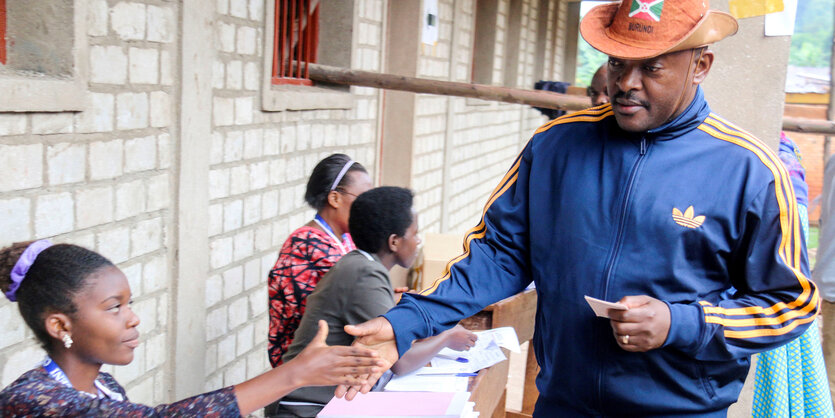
652, 201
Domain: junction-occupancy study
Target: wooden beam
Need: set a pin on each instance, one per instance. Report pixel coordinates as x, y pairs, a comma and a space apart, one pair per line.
538, 98
809, 126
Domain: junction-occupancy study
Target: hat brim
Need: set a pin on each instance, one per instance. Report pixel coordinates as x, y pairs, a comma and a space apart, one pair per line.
594, 28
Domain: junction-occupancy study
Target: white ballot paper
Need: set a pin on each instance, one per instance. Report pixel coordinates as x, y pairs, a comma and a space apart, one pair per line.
601, 307
416, 381
487, 351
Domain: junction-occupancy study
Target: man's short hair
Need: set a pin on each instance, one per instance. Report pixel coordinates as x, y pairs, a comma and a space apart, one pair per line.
378, 213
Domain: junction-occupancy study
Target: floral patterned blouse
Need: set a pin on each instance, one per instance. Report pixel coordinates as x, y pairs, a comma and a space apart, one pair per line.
307, 254
35, 393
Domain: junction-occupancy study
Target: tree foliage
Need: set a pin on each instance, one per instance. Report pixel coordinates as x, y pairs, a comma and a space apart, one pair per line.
812, 40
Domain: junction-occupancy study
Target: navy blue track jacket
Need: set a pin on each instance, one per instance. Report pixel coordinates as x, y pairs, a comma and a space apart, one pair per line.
696, 213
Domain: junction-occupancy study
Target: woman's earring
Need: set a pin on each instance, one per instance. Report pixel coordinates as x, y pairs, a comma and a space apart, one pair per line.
67, 341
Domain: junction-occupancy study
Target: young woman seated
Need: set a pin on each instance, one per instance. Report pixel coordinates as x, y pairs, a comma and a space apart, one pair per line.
385, 230
77, 304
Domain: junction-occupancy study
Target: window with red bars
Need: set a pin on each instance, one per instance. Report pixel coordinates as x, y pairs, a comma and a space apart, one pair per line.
3, 32
296, 40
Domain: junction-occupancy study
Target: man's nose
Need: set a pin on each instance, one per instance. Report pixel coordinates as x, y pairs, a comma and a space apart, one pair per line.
630, 78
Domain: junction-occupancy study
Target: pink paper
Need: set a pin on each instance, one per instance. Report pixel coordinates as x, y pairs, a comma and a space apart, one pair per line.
391, 403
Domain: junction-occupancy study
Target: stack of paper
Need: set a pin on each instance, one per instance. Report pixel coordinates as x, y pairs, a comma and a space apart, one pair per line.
401, 404
439, 380
487, 351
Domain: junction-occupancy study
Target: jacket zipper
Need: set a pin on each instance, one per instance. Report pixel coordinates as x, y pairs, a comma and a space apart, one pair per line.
644, 148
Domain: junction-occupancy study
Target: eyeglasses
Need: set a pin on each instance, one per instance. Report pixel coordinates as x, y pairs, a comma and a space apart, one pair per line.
341, 190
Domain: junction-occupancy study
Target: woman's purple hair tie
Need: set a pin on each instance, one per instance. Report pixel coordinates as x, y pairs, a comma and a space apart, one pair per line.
21, 267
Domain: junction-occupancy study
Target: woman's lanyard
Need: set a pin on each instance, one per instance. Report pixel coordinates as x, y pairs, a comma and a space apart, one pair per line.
327, 228
56, 373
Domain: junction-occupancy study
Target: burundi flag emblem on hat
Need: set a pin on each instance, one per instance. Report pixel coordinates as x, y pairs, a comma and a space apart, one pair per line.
646, 9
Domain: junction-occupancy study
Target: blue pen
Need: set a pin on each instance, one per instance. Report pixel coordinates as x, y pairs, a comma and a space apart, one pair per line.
449, 374
458, 359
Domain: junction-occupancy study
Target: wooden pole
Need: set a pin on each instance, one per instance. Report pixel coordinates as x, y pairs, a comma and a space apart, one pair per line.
809, 126
538, 98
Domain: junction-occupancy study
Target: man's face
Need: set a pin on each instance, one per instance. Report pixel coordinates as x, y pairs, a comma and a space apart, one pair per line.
647, 93
597, 91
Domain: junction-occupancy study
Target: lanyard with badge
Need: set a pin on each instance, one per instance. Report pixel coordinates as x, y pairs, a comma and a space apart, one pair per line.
56, 373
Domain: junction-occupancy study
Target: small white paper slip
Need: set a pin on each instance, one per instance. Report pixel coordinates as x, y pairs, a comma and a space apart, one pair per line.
504, 337
601, 307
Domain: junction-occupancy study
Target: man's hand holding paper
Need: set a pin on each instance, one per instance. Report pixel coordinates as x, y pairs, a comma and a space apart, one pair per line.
643, 326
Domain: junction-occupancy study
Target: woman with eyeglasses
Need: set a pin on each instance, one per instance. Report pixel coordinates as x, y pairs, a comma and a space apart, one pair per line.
311, 250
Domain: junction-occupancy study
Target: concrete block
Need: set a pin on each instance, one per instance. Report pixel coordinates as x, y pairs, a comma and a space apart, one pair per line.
243, 245
159, 196
126, 374
132, 110
216, 148
246, 40
12, 123
143, 67
161, 24
66, 163
146, 237
238, 8
258, 301
93, 207
269, 204
252, 273
21, 361
251, 76
256, 10
52, 123
223, 111
245, 340
211, 357
146, 309
233, 148
239, 180
218, 183
155, 274
220, 252
237, 312
259, 175
232, 215
236, 372
253, 143
155, 350
15, 221
288, 138
53, 214
263, 238
98, 117
164, 150
214, 290
114, 243
218, 74
13, 329
130, 199
233, 281
166, 73
252, 209
226, 350
141, 154
97, 11
215, 219
108, 65
213, 382
222, 7
216, 323
226, 37
272, 141
160, 109
134, 274
243, 110
234, 75
128, 20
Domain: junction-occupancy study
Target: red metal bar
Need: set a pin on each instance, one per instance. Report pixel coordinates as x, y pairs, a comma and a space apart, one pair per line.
300, 46
307, 31
291, 44
297, 43
3, 32
276, 40
314, 46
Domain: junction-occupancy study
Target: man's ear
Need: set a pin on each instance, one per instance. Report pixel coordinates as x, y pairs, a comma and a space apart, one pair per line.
703, 66
393, 242
58, 324
334, 199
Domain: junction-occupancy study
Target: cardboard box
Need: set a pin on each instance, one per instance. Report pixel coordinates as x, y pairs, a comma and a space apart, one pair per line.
438, 250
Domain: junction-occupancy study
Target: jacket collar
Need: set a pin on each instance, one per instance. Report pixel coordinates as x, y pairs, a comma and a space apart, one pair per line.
690, 119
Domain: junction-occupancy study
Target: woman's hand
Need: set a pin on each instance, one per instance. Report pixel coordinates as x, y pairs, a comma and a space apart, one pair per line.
459, 338
322, 365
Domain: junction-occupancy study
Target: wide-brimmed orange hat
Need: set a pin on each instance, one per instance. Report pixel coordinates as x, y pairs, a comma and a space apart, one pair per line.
641, 29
